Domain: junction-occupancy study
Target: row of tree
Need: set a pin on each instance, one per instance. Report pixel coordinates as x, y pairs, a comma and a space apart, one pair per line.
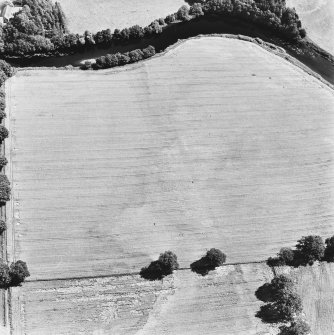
118, 59
283, 305
309, 249
41, 26
167, 263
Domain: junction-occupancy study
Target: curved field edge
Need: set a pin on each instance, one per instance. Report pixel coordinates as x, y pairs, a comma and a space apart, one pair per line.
274, 49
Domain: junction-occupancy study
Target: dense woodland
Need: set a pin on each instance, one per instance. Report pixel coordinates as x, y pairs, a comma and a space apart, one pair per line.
41, 25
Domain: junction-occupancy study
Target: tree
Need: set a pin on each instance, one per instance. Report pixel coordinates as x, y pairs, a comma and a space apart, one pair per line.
6, 68
329, 251
286, 255
3, 161
3, 77
3, 133
196, 10
302, 33
149, 51
212, 259
311, 248
160, 268
183, 14
4, 275
297, 327
170, 18
136, 55
168, 262
136, 32
4, 189
18, 272
3, 226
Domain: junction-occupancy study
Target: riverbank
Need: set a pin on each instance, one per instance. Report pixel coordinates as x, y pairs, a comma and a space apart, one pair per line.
308, 53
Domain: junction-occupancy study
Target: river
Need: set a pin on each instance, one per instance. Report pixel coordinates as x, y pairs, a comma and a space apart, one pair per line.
172, 33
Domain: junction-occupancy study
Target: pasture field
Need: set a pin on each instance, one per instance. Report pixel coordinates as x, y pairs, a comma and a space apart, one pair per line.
97, 15
217, 143
185, 303
317, 17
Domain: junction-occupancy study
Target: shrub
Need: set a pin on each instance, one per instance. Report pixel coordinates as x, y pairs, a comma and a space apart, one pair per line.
164, 266
18, 272
329, 251
3, 133
183, 14
311, 249
297, 327
3, 226
2, 115
4, 275
212, 259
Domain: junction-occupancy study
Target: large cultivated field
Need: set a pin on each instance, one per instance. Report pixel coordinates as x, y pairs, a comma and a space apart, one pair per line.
102, 14
218, 143
317, 17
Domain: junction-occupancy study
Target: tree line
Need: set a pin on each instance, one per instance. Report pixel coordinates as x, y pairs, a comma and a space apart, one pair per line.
40, 28
118, 59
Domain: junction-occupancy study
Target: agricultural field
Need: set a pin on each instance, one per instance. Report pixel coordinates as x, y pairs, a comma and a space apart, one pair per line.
317, 18
110, 168
316, 288
223, 302
130, 163
116, 14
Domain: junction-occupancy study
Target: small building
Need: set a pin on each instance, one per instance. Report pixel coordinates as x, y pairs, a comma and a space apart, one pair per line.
8, 11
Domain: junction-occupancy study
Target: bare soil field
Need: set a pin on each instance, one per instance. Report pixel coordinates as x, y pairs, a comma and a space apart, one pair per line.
111, 168
317, 17
97, 15
185, 303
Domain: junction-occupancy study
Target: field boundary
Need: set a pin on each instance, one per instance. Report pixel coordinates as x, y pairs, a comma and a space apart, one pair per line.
119, 275
270, 47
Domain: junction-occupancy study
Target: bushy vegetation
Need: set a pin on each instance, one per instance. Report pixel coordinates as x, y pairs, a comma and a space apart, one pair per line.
3, 133
297, 327
3, 226
283, 303
308, 250
164, 266
14, 275
34, 29
41, 26
4, 189
113, 60
212, 259
329, 250
3, 161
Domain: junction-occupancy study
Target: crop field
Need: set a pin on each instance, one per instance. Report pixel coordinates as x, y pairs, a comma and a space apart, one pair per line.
223, 301
316, 287
317, 18
97, 15
111, 168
